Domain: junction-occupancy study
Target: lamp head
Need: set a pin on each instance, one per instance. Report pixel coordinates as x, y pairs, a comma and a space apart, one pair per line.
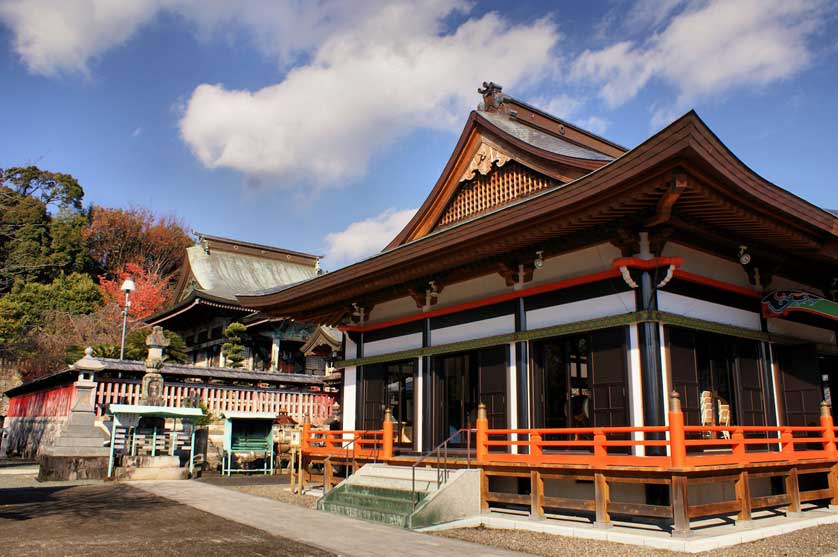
128, 285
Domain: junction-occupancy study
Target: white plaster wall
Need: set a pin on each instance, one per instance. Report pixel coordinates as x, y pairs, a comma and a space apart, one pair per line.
708, 265
575, 264
350, 384
801, 331
393, 309
394, 344
474, 330
708, 311
604, 306
350, 349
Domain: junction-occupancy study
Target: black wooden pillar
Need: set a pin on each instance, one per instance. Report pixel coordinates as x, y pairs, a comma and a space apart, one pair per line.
522, 361
358, 339
428, 391
650, 355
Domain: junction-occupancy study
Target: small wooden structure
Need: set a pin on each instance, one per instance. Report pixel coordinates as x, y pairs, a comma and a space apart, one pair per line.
248, 432
129, 439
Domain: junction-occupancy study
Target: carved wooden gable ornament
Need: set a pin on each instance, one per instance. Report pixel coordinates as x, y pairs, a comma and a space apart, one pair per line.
484, 159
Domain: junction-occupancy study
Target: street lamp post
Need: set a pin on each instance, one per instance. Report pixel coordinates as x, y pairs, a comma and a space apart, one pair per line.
127, 287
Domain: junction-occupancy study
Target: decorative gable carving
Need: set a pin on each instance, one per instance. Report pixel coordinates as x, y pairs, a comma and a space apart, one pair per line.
484, 159
495, 188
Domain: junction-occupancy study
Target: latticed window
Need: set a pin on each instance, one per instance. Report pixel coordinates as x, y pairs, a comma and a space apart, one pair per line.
501, 186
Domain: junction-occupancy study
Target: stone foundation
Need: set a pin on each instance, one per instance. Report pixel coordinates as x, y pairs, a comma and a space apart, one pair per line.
64, 468
28, 437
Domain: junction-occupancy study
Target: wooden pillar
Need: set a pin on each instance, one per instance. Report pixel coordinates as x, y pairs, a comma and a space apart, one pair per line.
743, 496
832, 477
327, 476
522, 360
680, 506
793, 491
484, 490
602, 496
306, 435
536, 495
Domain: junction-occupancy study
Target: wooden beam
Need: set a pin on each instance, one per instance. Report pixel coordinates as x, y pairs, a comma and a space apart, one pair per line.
536, 495
793, 492
602, 496
680, 507
743, 496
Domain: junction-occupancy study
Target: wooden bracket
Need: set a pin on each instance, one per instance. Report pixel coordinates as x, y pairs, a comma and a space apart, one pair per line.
678, 186
627, 241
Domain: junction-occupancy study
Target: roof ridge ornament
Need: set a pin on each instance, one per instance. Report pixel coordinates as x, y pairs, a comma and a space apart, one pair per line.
492, 96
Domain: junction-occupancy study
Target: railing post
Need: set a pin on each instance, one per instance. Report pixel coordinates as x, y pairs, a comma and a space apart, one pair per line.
828, 430
738, 439
677, 438
786, 442
535, 448
600, 452
482, 434
305, 439
387, 435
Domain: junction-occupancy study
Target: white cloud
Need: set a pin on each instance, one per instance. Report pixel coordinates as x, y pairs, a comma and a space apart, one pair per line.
593, 123
53, 37
137, 132
707, 49
365, 86
364, 238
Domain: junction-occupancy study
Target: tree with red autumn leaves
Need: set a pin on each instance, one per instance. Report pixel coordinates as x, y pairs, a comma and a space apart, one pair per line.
149, 296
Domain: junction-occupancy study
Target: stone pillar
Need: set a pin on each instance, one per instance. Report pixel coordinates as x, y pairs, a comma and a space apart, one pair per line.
78, 452
152, 393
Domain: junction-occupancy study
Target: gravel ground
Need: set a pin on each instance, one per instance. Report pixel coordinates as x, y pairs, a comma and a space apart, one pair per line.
272, 487
110, 519
278, 493
812, 542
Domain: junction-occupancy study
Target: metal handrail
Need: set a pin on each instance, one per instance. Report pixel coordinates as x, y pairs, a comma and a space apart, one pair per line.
441, 452
345, 450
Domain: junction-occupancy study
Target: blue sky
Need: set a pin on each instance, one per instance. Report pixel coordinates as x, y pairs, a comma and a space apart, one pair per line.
320, 126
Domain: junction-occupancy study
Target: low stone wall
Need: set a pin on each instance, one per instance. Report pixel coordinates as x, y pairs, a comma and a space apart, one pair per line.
28, 437
69, 468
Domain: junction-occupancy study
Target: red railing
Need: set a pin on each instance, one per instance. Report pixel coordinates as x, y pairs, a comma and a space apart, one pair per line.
675, 446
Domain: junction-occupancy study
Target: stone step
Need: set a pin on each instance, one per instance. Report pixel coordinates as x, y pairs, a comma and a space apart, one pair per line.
403, 484
424, 474
364, 513
78, 442
375, 491
401, 505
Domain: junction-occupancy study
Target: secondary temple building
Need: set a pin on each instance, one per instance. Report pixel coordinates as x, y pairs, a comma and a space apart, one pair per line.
213, 271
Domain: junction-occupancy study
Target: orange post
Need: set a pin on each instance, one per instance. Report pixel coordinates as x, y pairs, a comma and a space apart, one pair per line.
600, 452
828, 430
305, 441
535, 448
482, 436
677, 438
387, 436
787, 441
738, 444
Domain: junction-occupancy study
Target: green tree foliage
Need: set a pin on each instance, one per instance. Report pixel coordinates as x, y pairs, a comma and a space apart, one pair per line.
235, 336
41, 226
25, 308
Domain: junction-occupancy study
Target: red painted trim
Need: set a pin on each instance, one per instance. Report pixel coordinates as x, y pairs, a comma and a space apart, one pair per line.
540, 289
647, 264
707, 281
644, 264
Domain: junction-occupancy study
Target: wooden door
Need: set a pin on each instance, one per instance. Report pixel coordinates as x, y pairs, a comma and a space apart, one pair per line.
373, 400
801, 382
751, 388
684, 372
493, 384
609, 378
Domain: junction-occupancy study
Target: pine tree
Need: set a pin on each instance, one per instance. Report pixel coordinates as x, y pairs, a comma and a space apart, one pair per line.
233, 349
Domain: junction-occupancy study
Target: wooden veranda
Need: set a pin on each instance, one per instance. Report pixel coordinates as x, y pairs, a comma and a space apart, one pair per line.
676, 457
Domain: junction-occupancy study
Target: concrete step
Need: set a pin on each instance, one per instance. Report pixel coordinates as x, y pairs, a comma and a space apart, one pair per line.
376, 491
383, 470
400, 505
403, 484
364, 513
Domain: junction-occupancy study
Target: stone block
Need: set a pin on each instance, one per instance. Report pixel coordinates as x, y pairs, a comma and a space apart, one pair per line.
54, 468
